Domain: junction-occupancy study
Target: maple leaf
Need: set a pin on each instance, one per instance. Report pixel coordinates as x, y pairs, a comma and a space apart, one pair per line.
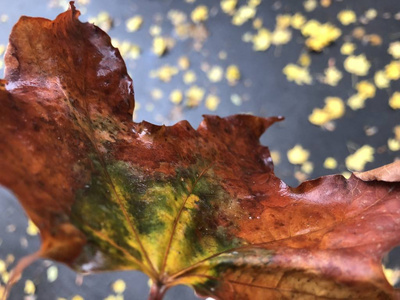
198, 207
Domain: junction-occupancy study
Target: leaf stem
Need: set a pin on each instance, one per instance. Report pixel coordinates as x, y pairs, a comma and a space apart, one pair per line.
157, 291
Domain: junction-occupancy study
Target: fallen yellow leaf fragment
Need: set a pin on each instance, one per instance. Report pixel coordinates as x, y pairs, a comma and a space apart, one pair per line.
127, 49
319, 35
300, 75
257, 23
297, 21
334, 109
176, 96
366, 89
330, 163
114, 297
119, 286
133, 24
103, 20
236, 99
347, 48
77, 297
199, 14
212, 102
332, 76
393, 144
194, 95
32, 229
2, 49
396, 131
29, 288
358, 160
392, 275
232, 74
276, 157
356, 102
392, 70
184, 63
310, 5
189, 77
307, 167
394, 49
304, 60
243, 14
262, 40
346, 17
281, 36
215, 74
52, 273
283, 21
394, 101
371, 13
381, 80
298, 155
165, 73
156, 94
357, 65
326, 3
159, 46
228, 6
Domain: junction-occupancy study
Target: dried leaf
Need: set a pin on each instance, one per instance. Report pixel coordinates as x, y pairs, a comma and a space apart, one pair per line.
198, 207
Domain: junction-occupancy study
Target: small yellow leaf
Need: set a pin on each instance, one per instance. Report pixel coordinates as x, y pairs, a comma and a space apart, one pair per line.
243, 14
347, 48
232, 74
283, 21
304, 60
159, 45
393, 145
236, 99
297, 155
199, 14
310, 5
356, 102
228, 6
297, 21
77, 297
334, 108
184, 63
189, 77
346, 17
119, 286
366, 89
330, 163
194, 95
380, 79
307, 167
281, 36
394, 49
394, 101
212, 102
133, 24
299, 75
29, 287
32, 229
358, 65
262, 40
215, 74
358, 160
392, 70
176, 96
332, 76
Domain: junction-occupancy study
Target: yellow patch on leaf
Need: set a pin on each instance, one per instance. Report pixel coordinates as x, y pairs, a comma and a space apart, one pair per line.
357, 65
298, 155
358, 160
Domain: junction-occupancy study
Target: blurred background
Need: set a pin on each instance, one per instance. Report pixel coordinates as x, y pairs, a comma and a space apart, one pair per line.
330, 67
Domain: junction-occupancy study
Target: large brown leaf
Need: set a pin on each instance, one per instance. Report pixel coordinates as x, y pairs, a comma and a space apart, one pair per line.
199, 207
